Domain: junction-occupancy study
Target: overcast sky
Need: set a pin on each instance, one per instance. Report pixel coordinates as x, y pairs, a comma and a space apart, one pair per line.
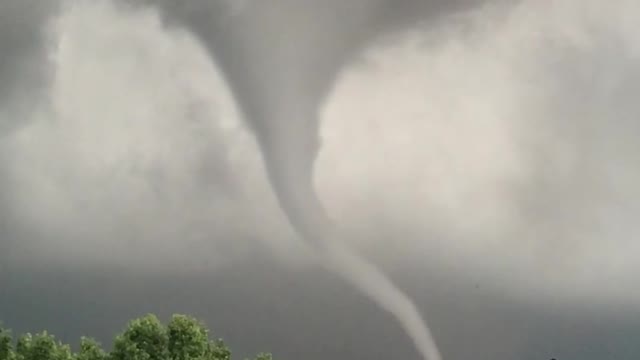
487, 159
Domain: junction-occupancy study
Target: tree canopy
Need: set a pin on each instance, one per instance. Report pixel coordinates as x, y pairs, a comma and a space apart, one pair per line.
145, 338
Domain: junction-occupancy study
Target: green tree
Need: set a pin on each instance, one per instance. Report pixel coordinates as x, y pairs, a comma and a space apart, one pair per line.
218, 350
188, 338
144, 339
42, 346
63, 352
90, 350
264, 356
23, 346
6, 345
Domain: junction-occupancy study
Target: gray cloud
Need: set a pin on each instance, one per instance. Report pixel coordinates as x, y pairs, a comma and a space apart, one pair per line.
23, 75
279, 71
498, 149
258, 305
23, 60
507, 132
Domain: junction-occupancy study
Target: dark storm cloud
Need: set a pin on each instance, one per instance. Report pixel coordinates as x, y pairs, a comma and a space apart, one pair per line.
163, 179
24, 75
85, 191
23, 49
280, 62
260, 306
282, 57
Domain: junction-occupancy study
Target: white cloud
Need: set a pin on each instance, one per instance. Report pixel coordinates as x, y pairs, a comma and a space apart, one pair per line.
505, 146
502, 147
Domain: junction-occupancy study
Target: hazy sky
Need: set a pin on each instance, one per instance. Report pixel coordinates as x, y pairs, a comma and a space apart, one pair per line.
487, 160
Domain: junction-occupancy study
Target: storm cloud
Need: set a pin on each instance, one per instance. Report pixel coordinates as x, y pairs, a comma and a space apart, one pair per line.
24, 70
495, 146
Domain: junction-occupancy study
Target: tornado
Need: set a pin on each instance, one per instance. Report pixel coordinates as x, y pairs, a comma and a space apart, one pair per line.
280, 59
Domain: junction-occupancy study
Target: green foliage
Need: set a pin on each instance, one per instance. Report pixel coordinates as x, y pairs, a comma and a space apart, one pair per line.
63, 352
188, 338
218, 351
264, 356
6, 345
90, 350
146, 338
42, 346
23, 346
